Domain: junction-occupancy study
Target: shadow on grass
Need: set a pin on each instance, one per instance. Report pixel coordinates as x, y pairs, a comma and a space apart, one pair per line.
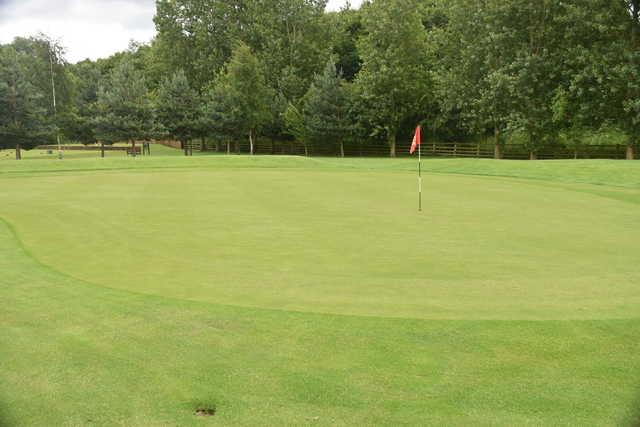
5, 419
634, 421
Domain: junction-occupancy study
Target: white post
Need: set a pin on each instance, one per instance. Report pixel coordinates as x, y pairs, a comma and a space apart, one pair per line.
53, 92
419, 180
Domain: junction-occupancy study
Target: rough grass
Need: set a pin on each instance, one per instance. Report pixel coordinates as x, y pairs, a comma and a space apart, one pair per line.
308, 291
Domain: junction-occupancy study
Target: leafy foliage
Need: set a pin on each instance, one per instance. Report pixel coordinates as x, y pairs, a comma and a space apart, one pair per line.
125, 111
325, 110
239, 98
23, 115
394, 83
545, 73
177, 107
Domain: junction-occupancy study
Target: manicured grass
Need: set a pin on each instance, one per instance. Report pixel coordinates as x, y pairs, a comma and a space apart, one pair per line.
39, 154
309, 291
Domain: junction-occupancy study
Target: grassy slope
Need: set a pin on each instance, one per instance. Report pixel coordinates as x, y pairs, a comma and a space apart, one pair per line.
75, 353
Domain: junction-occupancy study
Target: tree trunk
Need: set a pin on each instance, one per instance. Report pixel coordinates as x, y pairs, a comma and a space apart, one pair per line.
203, 144
237, 143
228, 147
575, 154
631, 152
497, 148
102, 149
392, 145
133, 147
273, 147
341, 149
306, 150
217, 146
184, 147
251, 141
18, 152
533, 155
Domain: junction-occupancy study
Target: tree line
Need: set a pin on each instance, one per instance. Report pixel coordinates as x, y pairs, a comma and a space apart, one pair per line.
532, 72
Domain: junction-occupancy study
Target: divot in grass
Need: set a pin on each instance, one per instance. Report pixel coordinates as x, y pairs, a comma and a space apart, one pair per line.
205, 412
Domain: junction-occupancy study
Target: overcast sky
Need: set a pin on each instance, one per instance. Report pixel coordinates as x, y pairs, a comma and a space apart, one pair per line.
87, 28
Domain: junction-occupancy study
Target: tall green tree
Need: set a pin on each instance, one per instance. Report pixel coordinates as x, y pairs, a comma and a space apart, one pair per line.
198, 36
346, 29
23, 116
291, 39
473, 84
48, 68
177, 108
219, 114
77, 121
326, 108
124, 108
295, 124
394, 84
240, 95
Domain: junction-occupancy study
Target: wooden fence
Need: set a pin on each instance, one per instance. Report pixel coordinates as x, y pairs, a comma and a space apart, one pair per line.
429, 149
89, 148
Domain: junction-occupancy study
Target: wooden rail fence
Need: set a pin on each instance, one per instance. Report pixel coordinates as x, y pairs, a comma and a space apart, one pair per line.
429, 149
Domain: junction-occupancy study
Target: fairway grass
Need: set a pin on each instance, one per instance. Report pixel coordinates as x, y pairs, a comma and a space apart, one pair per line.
295, 291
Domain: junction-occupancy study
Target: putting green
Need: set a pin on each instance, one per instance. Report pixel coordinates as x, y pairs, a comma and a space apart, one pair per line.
339, 241
137, 291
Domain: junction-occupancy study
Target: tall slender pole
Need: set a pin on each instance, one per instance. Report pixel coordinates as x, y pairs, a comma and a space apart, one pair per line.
55, 110
419, 180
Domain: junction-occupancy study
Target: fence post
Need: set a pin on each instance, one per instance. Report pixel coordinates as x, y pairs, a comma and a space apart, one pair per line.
478, 150
455, 149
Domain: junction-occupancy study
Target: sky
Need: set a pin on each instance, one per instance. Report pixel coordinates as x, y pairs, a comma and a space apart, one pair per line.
87, 28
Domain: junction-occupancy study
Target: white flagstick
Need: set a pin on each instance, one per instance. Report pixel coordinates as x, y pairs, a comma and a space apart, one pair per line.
419, 180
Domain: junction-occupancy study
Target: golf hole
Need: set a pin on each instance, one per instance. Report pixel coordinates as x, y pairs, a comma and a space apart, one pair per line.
205, 412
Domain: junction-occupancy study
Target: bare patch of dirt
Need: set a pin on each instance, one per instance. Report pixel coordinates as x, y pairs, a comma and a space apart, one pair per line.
205, 412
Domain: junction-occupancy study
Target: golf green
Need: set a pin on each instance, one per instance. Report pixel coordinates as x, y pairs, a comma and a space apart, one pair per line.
311, 291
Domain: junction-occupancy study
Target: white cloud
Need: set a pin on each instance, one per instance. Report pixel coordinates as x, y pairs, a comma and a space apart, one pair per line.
337, 4
88, 28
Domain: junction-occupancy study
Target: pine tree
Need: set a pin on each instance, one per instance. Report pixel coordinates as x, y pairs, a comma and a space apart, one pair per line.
326, 108
177, 108
23, 115
124, 107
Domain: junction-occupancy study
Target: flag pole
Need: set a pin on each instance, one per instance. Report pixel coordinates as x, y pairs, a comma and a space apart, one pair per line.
53, 96
416, 141
419, 180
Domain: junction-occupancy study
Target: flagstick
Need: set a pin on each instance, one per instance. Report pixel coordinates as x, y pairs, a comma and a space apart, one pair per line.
419, 180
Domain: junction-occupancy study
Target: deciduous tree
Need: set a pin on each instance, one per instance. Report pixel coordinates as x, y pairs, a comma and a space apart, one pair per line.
394, 83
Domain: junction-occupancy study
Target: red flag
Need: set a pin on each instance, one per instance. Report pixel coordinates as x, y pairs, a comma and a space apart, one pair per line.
416, 140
